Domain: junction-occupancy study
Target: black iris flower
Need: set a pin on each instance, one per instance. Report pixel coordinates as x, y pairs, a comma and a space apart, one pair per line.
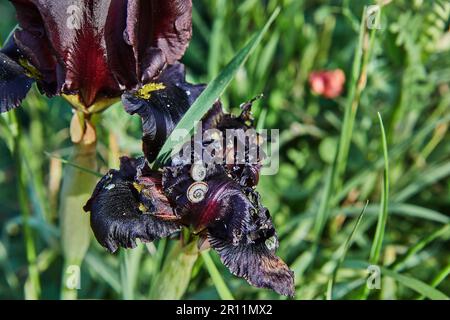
216, 200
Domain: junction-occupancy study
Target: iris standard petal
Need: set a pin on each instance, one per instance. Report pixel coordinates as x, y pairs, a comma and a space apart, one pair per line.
125, 207
158, 24
162, 108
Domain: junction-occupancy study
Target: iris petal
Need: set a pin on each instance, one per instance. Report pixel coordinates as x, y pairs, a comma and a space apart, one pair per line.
163, 109
246, 242
96, 49
255, 263
216, 204
124, 209
157, 30
14, 84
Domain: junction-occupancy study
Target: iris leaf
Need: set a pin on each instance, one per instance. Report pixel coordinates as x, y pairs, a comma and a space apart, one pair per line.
212, 92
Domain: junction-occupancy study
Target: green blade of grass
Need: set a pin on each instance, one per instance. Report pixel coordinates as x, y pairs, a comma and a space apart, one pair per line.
401, 209
428, 177
347, 245
441, 232
377, 245
216, 277
394, 153
416, 285
409, 282
101, 269
441, 276
215, 88
382, 217
70, 163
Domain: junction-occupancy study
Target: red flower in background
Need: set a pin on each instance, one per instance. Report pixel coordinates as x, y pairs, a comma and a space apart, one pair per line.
327, 83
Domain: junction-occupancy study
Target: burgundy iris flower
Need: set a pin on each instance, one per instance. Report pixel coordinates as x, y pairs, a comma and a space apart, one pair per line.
218, 201
91, 51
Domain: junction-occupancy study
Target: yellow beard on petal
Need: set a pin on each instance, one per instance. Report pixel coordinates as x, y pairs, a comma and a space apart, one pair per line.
30, 70
145, 91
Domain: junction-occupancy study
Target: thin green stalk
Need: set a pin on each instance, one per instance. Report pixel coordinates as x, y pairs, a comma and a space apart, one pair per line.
347, 246
33, 289
221, 287
377, 245
375, 251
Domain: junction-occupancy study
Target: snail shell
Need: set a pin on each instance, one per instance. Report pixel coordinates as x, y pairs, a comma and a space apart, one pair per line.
197, 191
198, 171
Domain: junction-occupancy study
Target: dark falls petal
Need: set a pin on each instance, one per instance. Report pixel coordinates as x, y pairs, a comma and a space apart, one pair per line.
124, 208
255, 263
163, 108
246, 242
14, 84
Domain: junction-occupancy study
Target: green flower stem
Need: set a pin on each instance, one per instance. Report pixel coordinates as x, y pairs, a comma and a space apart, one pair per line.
172, 281
74, 222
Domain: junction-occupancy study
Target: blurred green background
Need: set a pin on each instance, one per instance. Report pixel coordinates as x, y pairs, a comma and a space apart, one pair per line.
314, 200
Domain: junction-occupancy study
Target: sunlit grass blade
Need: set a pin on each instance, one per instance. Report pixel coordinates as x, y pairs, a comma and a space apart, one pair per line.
345, 248
221, 287
213, 91
377, 245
